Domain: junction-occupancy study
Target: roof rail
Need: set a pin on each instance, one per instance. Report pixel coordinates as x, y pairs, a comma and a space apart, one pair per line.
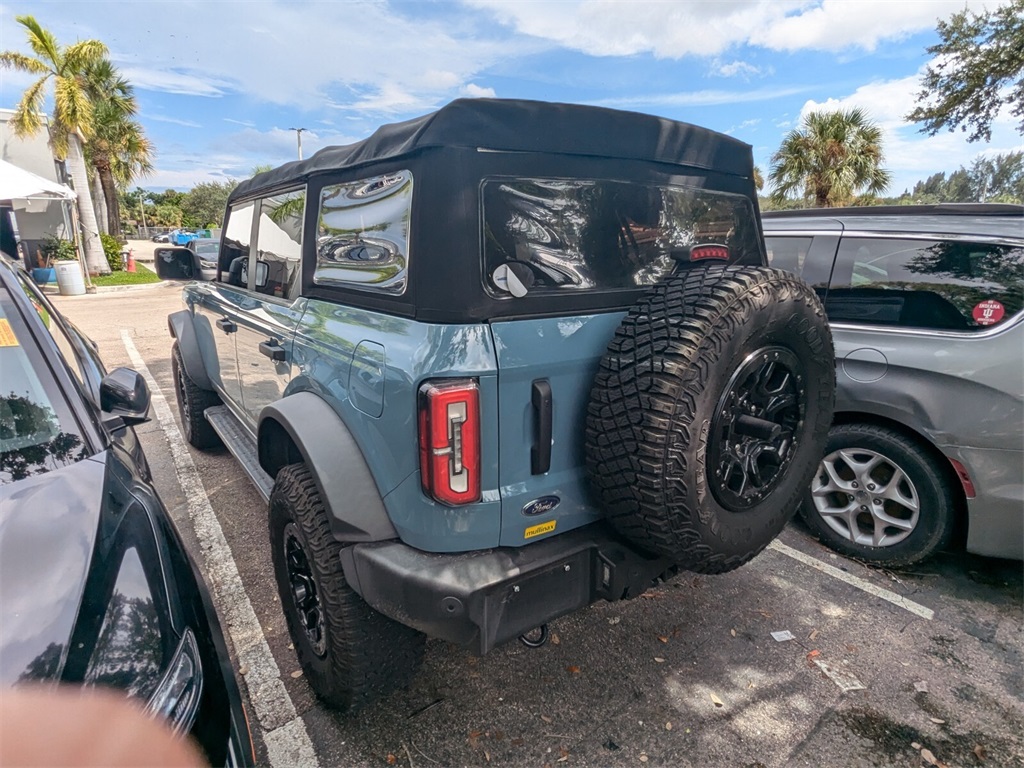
937, 209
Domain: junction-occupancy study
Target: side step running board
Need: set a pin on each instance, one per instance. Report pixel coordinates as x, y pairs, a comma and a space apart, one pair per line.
241, 445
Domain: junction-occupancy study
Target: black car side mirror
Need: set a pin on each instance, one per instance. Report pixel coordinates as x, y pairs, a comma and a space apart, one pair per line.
177, 264
124, 395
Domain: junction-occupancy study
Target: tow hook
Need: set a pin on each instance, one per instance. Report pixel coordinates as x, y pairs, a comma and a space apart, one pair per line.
535, 638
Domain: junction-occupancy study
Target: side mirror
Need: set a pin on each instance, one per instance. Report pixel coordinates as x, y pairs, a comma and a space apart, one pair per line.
124, 396
177, 264
262, 271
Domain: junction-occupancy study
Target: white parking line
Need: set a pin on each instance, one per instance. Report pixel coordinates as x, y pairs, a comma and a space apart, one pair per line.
284, 732
908, 605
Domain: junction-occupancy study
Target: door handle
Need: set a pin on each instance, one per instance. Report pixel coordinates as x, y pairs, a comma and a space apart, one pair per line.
540, 454
226, 325
272, 349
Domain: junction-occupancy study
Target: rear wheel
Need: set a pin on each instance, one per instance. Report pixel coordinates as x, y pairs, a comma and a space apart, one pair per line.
349, 653
709, 414
192, 403
880, 497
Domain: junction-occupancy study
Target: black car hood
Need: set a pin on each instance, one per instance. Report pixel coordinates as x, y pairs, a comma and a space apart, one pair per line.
49, 526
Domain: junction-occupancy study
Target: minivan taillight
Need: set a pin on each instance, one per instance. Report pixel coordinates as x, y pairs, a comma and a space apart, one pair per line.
449, 419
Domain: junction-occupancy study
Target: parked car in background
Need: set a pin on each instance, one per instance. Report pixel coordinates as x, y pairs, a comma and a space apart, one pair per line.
206, 250
164, 238
96, 587
926, 305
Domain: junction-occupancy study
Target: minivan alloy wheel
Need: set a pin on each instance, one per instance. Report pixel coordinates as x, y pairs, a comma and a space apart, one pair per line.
866, 497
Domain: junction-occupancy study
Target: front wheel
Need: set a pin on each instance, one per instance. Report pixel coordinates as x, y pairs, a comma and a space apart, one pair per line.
349, 653
879, 497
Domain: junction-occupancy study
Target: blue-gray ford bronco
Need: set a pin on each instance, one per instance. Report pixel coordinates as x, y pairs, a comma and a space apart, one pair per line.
493, 364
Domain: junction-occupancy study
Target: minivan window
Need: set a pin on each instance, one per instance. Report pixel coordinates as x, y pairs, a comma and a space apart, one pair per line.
363, 234
788, 253
233, 268
948, 285
279, 244
580, 235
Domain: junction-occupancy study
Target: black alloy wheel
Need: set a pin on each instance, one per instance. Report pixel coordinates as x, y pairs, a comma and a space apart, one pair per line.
756, 428
305, 595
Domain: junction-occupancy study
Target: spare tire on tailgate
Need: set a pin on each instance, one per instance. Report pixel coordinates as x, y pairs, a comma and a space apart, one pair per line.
709, 413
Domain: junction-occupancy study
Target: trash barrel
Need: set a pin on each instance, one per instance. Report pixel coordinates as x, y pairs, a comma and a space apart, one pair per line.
69, 278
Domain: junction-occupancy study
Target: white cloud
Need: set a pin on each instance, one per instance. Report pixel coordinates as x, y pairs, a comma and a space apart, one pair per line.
738, 69
673, 30
246, 123
174, 120
474, 91
705, 98
171, 81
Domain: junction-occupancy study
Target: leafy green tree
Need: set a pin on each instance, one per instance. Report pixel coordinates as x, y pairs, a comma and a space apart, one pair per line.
979, 67
205, 202
829, 160
72, 120
118, 149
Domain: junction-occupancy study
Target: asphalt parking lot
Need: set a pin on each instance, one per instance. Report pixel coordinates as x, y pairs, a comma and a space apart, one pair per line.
883, 669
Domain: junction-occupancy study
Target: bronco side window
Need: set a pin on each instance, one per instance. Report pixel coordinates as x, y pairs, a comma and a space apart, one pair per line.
233, 266
279, 244
363, 234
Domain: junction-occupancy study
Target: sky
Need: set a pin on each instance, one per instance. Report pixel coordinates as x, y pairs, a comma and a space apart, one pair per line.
221, 85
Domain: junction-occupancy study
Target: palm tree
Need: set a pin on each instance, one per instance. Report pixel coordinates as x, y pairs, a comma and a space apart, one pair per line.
72, 121
830, 159
118, 149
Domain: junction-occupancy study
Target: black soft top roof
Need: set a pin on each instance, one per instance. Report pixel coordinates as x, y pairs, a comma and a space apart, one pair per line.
525, 126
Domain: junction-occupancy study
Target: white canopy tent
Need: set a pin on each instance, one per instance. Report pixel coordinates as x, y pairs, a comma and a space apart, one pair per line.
18, 184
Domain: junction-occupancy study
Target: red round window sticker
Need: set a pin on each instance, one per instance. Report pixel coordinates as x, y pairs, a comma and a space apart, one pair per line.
988, 312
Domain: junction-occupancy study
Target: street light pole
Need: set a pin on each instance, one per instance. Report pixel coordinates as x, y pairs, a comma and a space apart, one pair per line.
298, 136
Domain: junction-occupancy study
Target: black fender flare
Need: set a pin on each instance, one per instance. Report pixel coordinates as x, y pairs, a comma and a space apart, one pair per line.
304, 427
183, 331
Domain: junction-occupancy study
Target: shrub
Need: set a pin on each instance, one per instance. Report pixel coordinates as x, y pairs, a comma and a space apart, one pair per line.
58, 249
112, 250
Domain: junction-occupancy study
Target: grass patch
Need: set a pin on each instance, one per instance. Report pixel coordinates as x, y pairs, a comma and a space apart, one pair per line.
141, 276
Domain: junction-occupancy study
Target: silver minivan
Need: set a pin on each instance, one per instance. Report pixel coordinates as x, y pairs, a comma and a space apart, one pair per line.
927, 444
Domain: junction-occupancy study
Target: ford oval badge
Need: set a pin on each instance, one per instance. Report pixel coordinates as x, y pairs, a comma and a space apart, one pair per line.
541, 506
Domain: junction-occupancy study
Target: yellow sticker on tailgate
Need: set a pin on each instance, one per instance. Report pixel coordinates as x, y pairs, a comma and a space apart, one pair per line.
7, 337
537, 530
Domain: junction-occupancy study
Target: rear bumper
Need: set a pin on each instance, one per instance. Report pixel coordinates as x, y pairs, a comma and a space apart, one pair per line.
482, 599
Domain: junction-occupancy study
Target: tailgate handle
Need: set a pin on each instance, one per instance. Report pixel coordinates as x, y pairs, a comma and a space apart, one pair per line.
272, 349
226, 325
540, 453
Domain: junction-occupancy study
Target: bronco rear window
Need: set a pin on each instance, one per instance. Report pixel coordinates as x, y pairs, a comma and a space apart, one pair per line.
581, 235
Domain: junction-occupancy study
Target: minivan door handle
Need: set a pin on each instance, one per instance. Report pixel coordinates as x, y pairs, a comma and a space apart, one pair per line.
226, 325
540, 453
272, 349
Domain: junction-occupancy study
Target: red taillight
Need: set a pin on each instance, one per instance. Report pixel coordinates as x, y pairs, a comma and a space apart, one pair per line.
449, 419
701, 252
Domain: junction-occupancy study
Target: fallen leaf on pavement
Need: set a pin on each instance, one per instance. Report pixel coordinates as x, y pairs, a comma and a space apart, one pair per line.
813, 653
937, 721
243, 670
487, 756
716, 701
545, 718
732, 632
928, 757
643, 757
921, 686
663, 638
564, 755
297, 673
659, 659
572, 669
814, 634
474, 738
555, 639
668, 726
392, 759
915, 745
614, 620
979, 752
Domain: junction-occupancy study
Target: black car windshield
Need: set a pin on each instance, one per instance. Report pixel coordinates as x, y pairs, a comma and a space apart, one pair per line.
38, 433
